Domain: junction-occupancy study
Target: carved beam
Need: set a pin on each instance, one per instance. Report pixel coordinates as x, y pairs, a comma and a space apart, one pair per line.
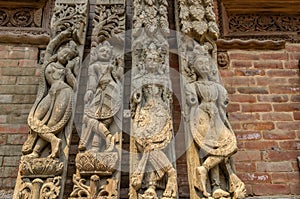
152, 152
25, 22
43, 166
210, 140
98, 164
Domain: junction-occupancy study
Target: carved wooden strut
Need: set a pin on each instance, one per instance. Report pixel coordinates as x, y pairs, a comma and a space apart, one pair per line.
43, 169
98, 163
152, 173
210, 139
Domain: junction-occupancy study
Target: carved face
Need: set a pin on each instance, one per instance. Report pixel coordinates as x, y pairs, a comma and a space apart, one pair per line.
152, 61
202, 66
53, 73
151, 90
104, 53
64, 55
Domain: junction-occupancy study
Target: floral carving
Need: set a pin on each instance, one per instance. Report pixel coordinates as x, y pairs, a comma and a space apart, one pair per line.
22, 18
4, 17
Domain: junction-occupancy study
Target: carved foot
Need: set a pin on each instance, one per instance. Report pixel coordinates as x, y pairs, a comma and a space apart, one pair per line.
32, 155
137, 182
150, 193
219, 193
55, 148
202, 173
81, 146
110, 143
171, 188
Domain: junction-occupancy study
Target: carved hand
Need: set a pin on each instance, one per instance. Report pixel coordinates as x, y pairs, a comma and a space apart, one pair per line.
88, 96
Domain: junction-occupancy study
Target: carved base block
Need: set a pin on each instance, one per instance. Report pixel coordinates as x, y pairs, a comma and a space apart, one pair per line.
40, 167
102, 164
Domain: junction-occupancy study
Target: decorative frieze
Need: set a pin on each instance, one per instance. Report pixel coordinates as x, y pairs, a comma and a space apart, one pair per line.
43, 166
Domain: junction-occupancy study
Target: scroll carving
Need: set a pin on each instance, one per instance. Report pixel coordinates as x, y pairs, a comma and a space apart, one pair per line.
209, 137
43, 165
99, 161
152, 173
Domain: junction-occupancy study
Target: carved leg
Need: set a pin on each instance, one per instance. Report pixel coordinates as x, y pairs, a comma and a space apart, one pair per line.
39, 146
202, 171
55, 144
215, 179
171, 188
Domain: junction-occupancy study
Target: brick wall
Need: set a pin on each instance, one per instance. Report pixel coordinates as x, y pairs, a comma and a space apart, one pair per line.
18, 88
264, 109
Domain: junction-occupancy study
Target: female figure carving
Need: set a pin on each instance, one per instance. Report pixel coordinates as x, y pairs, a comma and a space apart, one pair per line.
210, 128
52, 110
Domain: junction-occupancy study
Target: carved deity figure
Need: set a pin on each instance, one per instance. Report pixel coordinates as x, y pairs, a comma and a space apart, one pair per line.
102, 99
211, 130
153, 132
52, 109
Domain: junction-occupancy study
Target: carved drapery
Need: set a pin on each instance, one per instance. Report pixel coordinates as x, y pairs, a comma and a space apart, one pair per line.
43, 166
210, 139
98, 162
152, 173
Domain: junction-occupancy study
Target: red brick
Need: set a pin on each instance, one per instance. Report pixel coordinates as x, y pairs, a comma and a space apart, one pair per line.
7, 128
241, 64
249, 190
8, 63
236, 81
276, 156
253, 90
296, 115
245, 167
283, 166
27, 63
291, 64
242, 98
260, 145
277, 116
273, 98
295, 98
226, 73
16, 139
282, 73
233, 107
256, 107
254, 178
295, 80
248, 135
268, 64
250, 72
11, 161
235, 116
270, 189
274, 56
279, 135
230, 90
290, 145
247, 156
290, 107
3, 139
284, 89
292, 47
295, 188
265, 81
294, 55
235, 125
288, 125
8, 80
243, 56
